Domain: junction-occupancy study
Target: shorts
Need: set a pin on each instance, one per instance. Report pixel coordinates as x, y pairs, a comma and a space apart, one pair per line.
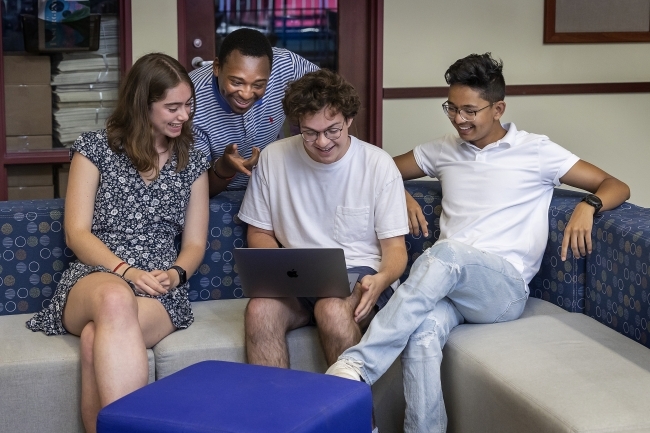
309, 303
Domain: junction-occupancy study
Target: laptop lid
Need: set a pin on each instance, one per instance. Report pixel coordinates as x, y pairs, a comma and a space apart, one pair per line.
293, 272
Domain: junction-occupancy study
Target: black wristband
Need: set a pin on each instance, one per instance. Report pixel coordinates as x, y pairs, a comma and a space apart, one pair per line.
214, 170
124, 273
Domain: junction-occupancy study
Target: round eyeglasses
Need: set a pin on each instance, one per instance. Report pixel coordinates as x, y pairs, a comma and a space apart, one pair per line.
330, 134
465, 113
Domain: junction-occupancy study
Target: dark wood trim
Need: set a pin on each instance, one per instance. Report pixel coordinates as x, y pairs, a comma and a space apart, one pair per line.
181, 5
376, 72
126, 32
195, 21
354, 50
525, 89
551, 37
3, 126
54, 156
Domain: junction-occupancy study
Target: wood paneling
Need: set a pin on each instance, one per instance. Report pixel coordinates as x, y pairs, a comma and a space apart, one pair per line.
525, 89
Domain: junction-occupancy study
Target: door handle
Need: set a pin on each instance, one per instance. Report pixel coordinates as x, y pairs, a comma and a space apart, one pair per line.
197, 62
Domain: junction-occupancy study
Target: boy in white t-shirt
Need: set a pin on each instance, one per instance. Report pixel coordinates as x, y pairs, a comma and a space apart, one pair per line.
497, 185
324, 188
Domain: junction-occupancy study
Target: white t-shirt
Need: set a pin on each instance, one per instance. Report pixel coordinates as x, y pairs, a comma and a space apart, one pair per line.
349, 204
496, 199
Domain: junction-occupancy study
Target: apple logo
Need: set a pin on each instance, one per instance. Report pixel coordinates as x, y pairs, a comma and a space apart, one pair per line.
292, 273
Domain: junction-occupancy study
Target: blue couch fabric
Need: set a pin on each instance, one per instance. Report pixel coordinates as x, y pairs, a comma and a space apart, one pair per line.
610, 285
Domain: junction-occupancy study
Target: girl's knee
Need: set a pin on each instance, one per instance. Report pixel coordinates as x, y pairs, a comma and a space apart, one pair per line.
115, 301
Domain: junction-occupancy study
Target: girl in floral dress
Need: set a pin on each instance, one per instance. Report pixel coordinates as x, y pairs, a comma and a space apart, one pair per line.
132, 189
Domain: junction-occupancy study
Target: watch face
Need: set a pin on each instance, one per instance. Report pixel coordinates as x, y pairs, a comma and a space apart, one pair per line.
594, 201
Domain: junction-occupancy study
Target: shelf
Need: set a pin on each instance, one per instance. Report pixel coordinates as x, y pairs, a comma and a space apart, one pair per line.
54, 156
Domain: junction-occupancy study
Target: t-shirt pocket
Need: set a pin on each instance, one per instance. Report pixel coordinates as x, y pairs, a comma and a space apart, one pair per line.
351, 223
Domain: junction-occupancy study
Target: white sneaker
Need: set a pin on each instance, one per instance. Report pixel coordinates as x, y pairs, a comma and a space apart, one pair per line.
346, 368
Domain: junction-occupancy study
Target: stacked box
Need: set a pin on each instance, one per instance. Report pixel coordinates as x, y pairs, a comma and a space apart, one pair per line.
28, 102
26, 182
62, 179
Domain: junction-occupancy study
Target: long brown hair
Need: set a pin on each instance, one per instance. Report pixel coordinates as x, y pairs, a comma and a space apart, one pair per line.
129, 129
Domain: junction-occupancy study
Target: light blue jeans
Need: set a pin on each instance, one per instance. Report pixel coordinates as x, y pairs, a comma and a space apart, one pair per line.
449, 283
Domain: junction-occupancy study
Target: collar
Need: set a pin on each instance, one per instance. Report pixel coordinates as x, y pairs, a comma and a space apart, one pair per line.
222, 101
506, 142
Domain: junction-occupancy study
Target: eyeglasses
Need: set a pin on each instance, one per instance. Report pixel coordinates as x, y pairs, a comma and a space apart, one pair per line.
466, 114
330, 134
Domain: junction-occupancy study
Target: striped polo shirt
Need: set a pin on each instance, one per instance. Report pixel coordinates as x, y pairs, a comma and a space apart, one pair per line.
215, 124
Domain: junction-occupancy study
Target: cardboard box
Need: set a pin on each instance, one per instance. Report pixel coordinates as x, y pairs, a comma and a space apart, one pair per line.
25, 143
30, 192
26, 69
30, 175
28, 109
62, 179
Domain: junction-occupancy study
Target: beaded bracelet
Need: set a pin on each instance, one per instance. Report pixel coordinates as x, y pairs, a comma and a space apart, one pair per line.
214, 170
118, 266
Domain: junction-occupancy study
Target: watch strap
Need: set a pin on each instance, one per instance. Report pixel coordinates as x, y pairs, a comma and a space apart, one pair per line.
593, 200
182, 275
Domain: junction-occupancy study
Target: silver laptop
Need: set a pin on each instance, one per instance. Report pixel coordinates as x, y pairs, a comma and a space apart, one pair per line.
294, 272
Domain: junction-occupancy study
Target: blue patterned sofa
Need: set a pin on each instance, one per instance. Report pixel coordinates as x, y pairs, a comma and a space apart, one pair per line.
552, 370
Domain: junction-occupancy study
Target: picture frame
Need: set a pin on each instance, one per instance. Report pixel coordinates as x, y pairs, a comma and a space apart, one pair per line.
596, 21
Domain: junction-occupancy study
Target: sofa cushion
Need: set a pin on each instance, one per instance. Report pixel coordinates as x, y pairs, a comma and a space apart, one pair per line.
218, 333
33, 254
216, 277
558, 282
617, 292
585, 377
41, 379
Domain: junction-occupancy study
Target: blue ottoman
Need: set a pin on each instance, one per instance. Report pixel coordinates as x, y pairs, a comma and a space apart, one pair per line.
217, 396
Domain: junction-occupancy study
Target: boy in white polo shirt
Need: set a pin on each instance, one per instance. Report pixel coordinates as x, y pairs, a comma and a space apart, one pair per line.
497, 185
324, 188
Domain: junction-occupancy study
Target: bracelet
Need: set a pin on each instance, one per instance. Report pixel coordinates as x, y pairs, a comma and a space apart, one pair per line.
118, 266
123, 273
214, 170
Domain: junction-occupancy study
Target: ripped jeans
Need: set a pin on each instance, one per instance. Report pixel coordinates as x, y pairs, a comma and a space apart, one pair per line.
448, 284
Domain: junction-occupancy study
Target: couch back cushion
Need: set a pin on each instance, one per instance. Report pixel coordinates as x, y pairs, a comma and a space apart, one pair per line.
611, 285
617, 292
34, 254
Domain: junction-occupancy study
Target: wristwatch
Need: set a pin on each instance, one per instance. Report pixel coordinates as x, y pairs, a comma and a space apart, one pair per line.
182, 275
593, 200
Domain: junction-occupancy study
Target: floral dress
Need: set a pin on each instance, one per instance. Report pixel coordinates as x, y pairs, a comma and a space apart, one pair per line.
136, 221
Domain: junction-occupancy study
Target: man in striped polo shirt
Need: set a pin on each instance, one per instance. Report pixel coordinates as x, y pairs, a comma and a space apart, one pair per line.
239, 104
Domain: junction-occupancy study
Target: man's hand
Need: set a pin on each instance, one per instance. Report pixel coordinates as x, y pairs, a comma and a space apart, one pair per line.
371, 287
577, 233
416, 218
231, 162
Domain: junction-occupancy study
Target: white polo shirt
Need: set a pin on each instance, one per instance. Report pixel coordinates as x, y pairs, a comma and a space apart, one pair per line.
496, 199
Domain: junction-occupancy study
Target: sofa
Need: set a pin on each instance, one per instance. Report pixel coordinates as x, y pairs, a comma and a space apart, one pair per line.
577, 361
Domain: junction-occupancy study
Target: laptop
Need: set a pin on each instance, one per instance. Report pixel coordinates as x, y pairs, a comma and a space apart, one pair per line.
294, 272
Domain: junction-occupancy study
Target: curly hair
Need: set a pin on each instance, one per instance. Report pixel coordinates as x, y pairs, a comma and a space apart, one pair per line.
248, 42
129, 128
480, 72
317, 90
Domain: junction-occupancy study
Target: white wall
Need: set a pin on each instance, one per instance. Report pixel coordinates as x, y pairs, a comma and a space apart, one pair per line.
154, 27
423, 37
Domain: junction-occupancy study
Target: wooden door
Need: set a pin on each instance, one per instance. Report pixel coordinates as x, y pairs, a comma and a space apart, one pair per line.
360, 46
